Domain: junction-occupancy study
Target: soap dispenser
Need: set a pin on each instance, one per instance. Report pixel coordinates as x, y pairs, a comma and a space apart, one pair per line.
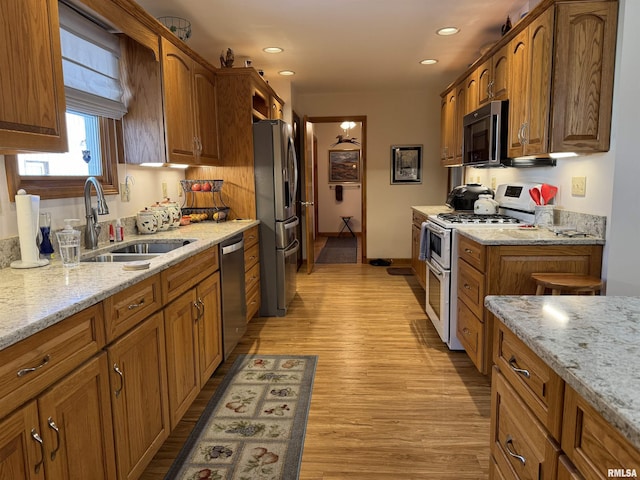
69, 243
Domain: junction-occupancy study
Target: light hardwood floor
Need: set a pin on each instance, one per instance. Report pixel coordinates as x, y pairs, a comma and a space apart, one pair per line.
389, 401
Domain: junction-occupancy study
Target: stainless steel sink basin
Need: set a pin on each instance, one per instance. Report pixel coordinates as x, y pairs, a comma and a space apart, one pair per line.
121, 257
138, 251
152, 247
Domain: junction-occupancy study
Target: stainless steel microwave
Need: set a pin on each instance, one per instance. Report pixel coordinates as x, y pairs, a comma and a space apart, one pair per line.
485, 135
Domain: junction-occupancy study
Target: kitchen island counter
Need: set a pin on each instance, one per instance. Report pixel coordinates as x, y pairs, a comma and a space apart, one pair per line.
34, 299
592, 342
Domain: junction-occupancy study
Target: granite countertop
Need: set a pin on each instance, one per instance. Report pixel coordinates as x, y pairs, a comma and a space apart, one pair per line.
523, 236
36, 298
592, 342
433, 209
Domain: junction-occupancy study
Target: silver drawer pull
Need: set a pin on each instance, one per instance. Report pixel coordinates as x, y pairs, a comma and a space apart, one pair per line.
468, 250
513, 454
467, 286
514, 366
136, 305
54, 427
120, 374
37, 438
23, 371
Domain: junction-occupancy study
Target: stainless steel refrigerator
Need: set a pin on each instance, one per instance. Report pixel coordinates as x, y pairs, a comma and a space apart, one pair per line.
276, 184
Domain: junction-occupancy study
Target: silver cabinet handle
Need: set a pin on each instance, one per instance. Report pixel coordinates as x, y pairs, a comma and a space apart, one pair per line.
514, 366
23, 371
468, 250
525, 133
37, 438
467, 286
54, 427
136, 305
199, 304
512, 453
121, 375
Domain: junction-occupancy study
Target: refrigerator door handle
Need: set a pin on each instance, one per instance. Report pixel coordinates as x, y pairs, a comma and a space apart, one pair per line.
292, 224
291, 249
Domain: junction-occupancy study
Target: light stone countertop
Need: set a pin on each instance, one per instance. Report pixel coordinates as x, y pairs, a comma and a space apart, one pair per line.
592, 342
433, 209
523, 236
36, 298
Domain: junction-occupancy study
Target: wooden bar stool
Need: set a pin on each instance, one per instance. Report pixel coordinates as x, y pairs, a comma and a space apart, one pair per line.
570, 283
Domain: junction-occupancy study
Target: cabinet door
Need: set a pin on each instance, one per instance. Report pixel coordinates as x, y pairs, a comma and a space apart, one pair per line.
472, 93
519, 66
209, 326
500, 74
204, 85
583, 76
32, 108
76, 426
461, 102
177, 72
540, 48
484, 83
139, 396
21, 457
276, 109
182, 354
443, 130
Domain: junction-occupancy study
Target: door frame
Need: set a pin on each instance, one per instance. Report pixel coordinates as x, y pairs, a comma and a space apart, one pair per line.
363, 173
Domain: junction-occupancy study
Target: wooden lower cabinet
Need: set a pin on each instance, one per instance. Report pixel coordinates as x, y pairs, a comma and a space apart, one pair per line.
72, 419
252, 271
193, 343
566, 470
139, 396
418, 266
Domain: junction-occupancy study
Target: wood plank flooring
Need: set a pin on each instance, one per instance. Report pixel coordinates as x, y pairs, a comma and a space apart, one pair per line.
389, 401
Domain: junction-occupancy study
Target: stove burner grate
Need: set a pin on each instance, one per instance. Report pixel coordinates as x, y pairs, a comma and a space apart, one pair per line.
471, 218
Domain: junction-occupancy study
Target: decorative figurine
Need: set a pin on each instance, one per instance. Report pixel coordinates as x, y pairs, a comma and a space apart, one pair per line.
227, 62
507, 26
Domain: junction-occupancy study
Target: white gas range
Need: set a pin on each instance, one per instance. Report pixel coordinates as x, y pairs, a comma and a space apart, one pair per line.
516, 208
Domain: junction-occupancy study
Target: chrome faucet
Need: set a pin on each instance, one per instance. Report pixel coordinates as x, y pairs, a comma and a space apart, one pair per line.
93, 228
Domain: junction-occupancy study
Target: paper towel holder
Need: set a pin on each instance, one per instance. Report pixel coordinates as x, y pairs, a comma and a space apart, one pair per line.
27, 208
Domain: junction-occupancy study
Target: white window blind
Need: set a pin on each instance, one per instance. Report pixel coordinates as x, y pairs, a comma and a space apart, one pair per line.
90, 58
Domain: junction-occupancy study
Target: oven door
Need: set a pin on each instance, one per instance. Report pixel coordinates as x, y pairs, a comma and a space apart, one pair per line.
438, 292
438, 245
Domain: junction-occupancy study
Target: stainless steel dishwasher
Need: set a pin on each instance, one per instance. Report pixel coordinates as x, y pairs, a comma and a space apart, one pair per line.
234, 306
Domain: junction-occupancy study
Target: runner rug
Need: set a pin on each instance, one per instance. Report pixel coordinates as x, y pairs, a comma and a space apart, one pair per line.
339, 250
253, 427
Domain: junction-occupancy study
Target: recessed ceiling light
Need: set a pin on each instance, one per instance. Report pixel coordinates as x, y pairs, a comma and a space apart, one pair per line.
287, 72
448, 31
428, 61
273, 50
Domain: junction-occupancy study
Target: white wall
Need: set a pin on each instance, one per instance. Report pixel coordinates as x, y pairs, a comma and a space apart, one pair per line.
146, 190
329, 209
393, 118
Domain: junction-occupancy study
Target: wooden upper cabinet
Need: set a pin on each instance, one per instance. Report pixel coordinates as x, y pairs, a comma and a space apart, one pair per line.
530, 54
461, 103
500, 74
276, 109
448, 125
32, 107
484, 82
583, 76
472, 92
189, 108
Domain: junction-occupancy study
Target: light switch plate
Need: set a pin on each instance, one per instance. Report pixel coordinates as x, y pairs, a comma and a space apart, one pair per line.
578, 186
165, 192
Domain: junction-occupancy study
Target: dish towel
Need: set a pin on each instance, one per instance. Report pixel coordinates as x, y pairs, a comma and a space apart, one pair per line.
338, 193
424, 243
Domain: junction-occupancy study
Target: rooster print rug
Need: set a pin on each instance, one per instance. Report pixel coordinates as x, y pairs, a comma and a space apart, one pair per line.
253, 427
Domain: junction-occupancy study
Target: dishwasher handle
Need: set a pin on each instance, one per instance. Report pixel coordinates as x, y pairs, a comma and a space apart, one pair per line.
232, 248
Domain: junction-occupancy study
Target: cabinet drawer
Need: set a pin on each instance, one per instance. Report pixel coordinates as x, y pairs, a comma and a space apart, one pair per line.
181, 277
251, 236
35, 363
471, 288
418, 218
494, 470
253, 301
591, 443
566, 470
251, 255
536, 383
127, 308
252, 277
470, 332
520, 444
472, 252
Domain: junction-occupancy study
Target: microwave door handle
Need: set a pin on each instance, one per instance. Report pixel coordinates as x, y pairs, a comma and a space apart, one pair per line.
495, 138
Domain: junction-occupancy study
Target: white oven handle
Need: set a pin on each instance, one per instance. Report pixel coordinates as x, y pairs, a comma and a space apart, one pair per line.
437, 271
441, 232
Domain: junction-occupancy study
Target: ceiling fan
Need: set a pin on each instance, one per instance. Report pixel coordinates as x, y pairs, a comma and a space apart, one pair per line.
342, 139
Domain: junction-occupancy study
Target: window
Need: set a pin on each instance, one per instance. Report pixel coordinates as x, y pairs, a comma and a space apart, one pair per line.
93, 92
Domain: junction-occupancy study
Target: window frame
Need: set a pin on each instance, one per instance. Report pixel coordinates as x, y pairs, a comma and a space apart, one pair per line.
49, 187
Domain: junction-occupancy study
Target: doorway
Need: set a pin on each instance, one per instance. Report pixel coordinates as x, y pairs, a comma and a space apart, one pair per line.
337, 192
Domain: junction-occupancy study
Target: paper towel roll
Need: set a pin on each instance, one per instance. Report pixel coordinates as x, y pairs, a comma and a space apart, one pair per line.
27, 210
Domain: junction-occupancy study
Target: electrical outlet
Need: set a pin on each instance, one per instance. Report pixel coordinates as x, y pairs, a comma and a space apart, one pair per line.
578, 186
124, 192
179, 189
165, 193
493, 183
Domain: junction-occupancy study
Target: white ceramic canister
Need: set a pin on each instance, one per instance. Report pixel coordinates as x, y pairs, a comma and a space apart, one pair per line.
164, 218
175, 212
147, 221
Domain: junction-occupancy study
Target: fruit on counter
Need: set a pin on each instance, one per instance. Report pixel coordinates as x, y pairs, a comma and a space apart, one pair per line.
198, 217
206, 187
196, 187
219, 216
185, 220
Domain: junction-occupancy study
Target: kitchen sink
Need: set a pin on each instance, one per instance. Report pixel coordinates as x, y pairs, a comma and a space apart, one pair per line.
138, 251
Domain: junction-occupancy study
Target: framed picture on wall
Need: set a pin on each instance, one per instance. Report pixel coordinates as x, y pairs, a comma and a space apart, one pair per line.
344, 166
406, 164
